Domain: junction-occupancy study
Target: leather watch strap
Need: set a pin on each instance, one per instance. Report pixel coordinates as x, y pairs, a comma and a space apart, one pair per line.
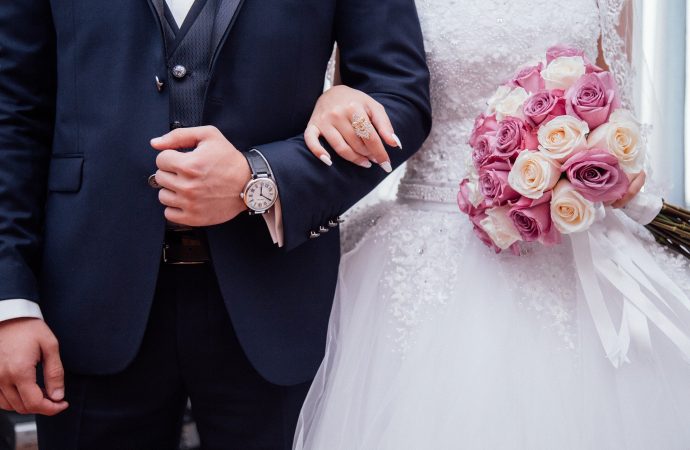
257, 164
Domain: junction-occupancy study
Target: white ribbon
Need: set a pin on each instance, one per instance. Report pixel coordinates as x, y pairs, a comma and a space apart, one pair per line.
609, 253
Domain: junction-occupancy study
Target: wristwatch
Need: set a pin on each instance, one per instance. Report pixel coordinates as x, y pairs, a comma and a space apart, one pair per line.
261, 192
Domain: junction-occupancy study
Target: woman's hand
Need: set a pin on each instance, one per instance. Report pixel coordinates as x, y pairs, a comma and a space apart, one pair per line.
335, 116
636, 183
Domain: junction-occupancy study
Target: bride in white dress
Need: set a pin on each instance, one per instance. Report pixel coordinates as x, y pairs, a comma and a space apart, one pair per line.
437, 343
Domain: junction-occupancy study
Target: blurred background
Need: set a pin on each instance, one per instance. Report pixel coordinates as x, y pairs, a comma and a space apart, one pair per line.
662, 61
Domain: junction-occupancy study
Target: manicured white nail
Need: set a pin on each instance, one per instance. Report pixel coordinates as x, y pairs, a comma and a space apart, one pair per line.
386, 166
397, 140
365, 164
326, 160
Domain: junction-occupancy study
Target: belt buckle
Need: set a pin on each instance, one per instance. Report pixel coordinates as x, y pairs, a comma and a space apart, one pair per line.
178, 263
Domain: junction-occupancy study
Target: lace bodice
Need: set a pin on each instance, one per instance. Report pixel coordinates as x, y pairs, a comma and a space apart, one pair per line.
472, 47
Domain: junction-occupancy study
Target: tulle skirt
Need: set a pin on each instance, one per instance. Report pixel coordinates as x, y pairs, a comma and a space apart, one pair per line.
436, 343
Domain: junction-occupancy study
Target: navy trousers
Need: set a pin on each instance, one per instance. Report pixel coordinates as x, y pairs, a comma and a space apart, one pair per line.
189, 351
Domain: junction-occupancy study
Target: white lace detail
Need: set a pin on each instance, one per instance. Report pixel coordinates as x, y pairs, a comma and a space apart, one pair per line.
615, 48
472, 47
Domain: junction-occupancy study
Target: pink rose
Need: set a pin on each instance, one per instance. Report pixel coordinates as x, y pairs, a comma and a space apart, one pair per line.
481, 234
596, 175
593, 98
493, 182
511, 137
483, 125
467, 199
532, 219
529, 78
563, 50
543, 106
483, 149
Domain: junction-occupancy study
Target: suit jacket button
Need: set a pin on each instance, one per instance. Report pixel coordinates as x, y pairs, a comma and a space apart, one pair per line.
313, 235
153, 183
323, 230
176, 124
159, 84
332, 223
179, 71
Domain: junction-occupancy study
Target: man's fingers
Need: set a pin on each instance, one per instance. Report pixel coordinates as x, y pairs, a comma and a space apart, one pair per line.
343, 150
311, 138
382, 122
35, 403
4, 404
14, 399
53, 372
169, 198
167, 180
175, 215
183, 138
169, 160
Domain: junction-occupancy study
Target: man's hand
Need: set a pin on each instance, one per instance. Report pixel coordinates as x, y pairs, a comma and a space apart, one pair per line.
23, 344
201, 187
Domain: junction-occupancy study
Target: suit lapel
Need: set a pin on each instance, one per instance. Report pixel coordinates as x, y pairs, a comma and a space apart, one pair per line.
158, 8
225, 19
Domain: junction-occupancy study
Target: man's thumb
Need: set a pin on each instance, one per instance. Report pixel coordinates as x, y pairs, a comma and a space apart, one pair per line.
53, 372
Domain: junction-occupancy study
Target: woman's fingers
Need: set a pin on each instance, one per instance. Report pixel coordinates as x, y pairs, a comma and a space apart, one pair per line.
369, 136
311, 138
636, 184
343, 149
382, 122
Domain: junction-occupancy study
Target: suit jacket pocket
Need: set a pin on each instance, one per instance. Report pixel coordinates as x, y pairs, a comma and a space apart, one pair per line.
65, 173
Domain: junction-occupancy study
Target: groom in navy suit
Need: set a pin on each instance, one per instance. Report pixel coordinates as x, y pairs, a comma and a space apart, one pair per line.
138, 273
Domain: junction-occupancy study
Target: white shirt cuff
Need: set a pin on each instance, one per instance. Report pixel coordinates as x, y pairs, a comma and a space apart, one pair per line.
274, 221
19, 308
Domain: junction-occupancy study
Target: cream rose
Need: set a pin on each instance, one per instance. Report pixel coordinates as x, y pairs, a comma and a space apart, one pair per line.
511, 104
563, 72
475, 195
621, 137
570, 211
533, 174
562, 137
499, 227
501, 93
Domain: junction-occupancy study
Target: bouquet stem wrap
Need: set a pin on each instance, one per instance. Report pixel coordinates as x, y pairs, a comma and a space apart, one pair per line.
608, 256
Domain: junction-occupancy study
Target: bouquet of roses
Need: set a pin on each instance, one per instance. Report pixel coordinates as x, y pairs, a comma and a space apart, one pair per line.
553, 147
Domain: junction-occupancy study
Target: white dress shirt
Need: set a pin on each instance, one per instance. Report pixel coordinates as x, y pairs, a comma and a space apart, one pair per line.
20, 308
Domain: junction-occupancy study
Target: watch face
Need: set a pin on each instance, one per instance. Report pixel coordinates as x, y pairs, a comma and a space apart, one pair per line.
261, 194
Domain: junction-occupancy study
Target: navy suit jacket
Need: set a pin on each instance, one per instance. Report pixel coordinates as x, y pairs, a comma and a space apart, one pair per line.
81, 230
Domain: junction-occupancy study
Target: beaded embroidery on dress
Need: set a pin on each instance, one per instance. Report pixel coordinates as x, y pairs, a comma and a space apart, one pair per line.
437, 343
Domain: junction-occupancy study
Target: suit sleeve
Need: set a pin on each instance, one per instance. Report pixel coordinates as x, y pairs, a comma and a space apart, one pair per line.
382, 54
27, 116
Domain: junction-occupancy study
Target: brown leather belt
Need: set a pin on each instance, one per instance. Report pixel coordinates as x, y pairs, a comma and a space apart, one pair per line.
185, 246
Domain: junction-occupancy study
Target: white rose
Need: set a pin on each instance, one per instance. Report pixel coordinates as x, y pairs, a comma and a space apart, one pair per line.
621, 137
570, 211
563, 72
533, 174
475, 194
499, 95
511, 104
499, 227
562, 137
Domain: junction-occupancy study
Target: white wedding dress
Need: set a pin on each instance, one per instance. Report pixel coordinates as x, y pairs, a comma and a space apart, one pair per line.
437, 343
